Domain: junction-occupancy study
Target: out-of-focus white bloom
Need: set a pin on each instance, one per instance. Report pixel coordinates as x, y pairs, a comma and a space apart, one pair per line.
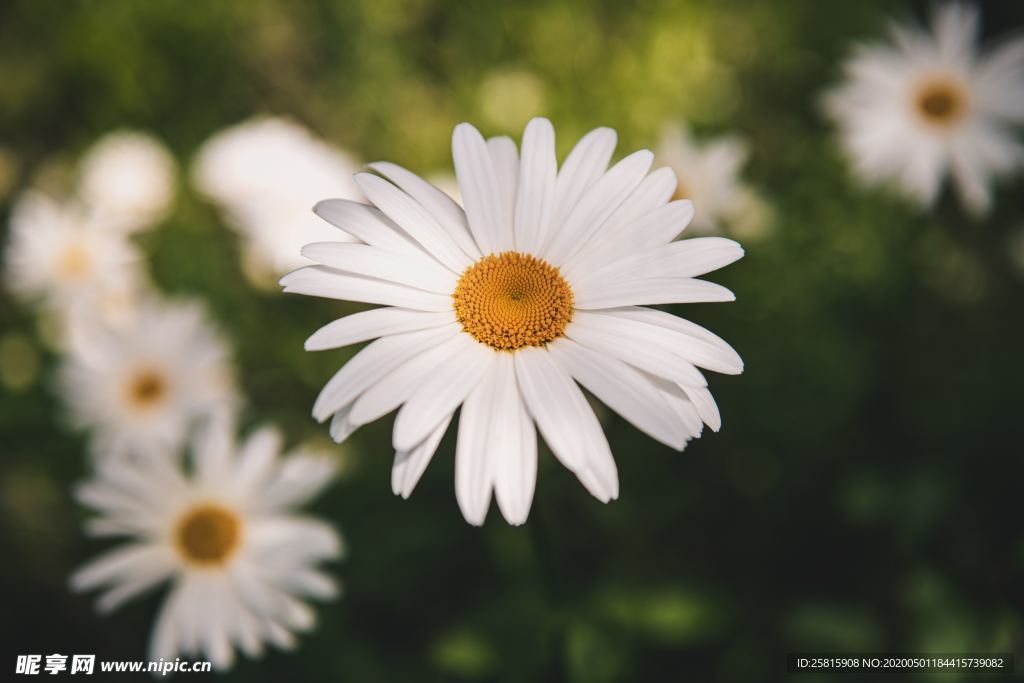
927, 105
140, 385
241, 562
55, 257
127, 181
709, 175
264, 173
504, 309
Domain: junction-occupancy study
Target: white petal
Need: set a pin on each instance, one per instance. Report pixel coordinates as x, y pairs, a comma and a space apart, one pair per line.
972, 167
362, 259
334, 284
698, 345
121, 564
505, 159
536, 195
515, 476
377, 322
165, 642
680, 403
594, 207
396, 388
614, 233
374, 362
301, 477
256, 467
650, 291
410, 465
136, 584
623, 389
443, 208
440, 393
649, 349
311, 583
653, 192
414, 219
706, 406
369, 225
497, 448
686, 258
663, 224
481, 193
999, 81
587, 162
340, 428
474, 450
566, 421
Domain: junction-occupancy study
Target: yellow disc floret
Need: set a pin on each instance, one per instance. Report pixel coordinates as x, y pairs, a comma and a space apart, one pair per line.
941, 101
511, 300
208, 534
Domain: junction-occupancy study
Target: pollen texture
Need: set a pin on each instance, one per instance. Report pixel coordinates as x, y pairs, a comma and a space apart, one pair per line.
941, 102
147, 389
511, 300
208, 534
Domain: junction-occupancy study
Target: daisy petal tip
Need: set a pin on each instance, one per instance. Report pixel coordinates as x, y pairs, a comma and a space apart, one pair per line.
465, 129
541, 121
323, 208
474, 518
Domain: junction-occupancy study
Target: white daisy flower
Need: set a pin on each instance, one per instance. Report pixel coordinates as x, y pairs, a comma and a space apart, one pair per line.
265, 172
927, 105
709, 175
140, 385
57, 258
540, 283
224, 534
127, 180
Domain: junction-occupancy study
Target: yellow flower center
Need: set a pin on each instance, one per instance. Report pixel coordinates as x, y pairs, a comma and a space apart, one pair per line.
208, 534
74, 261
147, 388
511, 300
941, 101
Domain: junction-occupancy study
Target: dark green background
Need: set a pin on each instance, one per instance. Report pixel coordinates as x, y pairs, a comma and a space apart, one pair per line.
864, 493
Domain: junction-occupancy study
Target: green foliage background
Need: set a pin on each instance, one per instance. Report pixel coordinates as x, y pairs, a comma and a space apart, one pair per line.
864, 493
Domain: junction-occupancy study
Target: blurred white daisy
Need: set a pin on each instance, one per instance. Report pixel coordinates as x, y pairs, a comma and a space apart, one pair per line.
709, 175
127, 181
57, 258
540, 283
139, 386
265, 172
240, 561
927, 104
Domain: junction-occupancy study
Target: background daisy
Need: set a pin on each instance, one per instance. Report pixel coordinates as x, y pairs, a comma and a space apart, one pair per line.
240, 561
708, 174
265, 174
127, 180
57, 257
140, 385
928, 105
